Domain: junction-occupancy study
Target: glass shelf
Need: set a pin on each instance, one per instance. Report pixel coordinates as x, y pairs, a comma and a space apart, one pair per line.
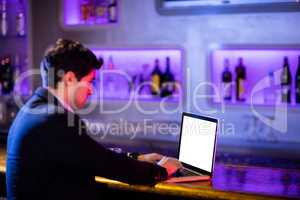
259, 62
13, 37
15, 46
126, 74
89, 13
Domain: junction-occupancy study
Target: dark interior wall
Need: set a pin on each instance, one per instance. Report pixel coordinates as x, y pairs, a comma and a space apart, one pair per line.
44, 29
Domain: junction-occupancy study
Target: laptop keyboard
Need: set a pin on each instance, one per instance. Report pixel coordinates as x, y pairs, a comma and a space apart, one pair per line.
186, 172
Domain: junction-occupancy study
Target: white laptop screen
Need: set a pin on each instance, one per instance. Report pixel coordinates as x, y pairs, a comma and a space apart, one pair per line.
197, 142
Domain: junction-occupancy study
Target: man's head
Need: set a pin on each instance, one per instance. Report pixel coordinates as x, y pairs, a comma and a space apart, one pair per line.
69, 69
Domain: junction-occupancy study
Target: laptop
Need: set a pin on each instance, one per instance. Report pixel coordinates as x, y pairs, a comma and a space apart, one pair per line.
197, 145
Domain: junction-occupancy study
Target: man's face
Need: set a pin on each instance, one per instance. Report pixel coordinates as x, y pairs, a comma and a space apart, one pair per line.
82, 90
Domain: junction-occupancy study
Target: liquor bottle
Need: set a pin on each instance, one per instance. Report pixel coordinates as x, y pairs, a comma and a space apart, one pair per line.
298, 82
226, 81
112, 11
177, 86
168, 82
16, 75
2, 65
109, 79
240, 71
20, 20
110, 63
7, 76
270, 91
92, 11
100, 10
85, 11
156, 77
4, 25
132, 82
143, 81
286, 79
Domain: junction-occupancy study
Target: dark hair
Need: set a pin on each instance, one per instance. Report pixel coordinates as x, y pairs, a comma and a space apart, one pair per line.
67, 55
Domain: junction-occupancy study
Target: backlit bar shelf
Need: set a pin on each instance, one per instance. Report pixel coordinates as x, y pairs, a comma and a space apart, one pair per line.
127, 74
89, 13
260, 61
15, 85
14, 47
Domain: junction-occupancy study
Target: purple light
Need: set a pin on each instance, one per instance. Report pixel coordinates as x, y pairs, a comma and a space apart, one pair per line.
259, 180
72, 15
71, 12
136, 63
258, 63
133, 59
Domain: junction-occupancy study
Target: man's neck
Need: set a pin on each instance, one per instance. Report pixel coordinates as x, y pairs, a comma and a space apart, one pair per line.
61, 98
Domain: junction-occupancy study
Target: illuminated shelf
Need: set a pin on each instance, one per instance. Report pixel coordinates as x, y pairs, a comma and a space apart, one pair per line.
259, 61
96, 14
123, 82
17, 46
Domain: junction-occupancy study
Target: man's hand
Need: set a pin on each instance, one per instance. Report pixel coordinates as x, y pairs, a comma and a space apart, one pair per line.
170, 164
150, 157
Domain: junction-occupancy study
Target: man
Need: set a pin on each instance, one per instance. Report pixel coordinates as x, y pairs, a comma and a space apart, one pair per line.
46, 157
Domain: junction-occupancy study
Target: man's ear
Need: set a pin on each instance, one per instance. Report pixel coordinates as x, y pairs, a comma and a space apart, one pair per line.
69, 78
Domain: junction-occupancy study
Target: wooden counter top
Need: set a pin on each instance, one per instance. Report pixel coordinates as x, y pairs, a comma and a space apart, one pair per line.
2, 160
195, 190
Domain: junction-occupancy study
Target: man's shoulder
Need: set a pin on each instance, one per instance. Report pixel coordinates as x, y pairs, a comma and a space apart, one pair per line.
41, 105
39, 113
45, 113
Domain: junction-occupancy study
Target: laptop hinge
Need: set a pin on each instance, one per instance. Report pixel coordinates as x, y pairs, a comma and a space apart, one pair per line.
193, 171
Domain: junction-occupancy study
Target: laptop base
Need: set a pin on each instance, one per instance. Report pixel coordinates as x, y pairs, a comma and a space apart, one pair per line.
187, 179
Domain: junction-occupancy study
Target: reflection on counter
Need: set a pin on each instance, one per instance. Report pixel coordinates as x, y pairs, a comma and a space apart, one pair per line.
258, 180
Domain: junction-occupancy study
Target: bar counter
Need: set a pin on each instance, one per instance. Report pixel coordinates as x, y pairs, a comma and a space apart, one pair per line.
207, 190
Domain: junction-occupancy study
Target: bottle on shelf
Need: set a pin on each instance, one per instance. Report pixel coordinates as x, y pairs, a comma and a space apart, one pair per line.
109, 79
286, 79
226, 81
143, 81
178, 87
16, 74
270, 91
101, 11
240, 71
7, 76
2, 110
298, 82
168, 81
26, 88
85, 11
92, 16
2, 65
132, 82
4, 22
20, 19
112, 11
110, 63
156, 78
